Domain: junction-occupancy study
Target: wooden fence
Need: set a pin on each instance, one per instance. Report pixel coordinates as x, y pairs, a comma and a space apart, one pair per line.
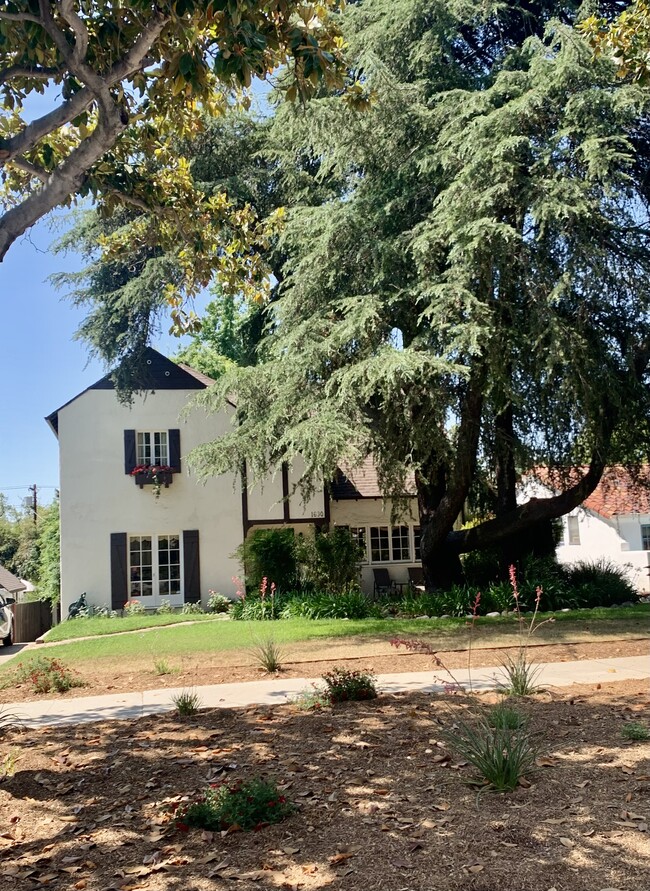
31, 619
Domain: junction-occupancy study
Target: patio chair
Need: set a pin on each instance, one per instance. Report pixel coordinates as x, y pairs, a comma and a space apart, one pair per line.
416, 578
383, 582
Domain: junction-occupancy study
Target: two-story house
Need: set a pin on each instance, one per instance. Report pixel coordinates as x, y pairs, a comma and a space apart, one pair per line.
127, 536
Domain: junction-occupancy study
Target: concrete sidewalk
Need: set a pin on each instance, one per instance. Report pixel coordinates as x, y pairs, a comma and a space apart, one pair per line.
127, 706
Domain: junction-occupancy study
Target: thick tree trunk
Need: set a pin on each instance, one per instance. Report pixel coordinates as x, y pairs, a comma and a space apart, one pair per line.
442, 488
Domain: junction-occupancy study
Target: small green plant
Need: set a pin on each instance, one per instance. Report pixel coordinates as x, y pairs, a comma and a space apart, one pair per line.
133, 608
164, 608
104, 612
501, 755
8, 721
46, 675
162, 667
343, 685
635, 731
519, 675
312, 699
8, 764
246, 805
217, 603
267, 654
191, 609
505, 716
187, 703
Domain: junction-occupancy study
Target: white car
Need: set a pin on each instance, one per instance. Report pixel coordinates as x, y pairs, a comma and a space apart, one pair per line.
6, 621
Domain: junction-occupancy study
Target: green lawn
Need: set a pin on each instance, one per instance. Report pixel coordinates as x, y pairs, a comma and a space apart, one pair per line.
98, 625
213, 637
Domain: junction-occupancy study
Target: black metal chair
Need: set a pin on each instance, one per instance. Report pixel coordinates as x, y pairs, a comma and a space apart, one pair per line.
383, 582
416, 578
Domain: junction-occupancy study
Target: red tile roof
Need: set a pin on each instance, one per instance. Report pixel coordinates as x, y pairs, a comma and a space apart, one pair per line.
619, 492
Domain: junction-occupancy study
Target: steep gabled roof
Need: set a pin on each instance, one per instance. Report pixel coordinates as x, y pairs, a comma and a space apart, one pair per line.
9, 582
619, 491
362, 482
157, 373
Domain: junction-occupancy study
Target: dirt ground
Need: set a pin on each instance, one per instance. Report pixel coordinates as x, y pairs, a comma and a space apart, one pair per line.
309, 659
383, 804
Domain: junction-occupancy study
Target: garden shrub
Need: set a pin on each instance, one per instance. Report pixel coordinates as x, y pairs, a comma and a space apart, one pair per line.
46, 674
164, 608
350, 604
190, 609
501, 754
329, 560
343, 685
600, 583
217, 603
133, 608
246, 804
255, 607
271, 554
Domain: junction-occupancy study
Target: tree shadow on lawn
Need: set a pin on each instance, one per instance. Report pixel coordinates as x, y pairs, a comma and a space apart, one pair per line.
382, 802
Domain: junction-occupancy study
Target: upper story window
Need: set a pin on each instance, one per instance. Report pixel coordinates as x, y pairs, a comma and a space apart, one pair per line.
573, 525
645, 537
152, 447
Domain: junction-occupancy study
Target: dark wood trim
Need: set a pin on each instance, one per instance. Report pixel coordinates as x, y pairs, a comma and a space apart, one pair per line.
301, 522
244, 500
286, 507
327, 506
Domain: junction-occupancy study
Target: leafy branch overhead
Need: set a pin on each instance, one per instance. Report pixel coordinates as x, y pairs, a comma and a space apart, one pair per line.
626, 40
124, 83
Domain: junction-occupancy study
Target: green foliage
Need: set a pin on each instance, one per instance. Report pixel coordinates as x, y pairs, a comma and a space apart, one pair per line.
255, 607
47, 675
329, 560
246, 804
8, 720
350, 604
49, 557
343, 685
267, 654
635, 731
501, 755
626, 40
162, 668
134, 608
192, 609
217, 603
187, 703
270, 554
164, 608
312, 699
505, 716
600, 583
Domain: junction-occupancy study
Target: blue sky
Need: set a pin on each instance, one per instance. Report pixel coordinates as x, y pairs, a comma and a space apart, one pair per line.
41, 366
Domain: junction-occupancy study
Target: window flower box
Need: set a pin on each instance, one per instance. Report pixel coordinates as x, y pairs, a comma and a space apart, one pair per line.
153, 475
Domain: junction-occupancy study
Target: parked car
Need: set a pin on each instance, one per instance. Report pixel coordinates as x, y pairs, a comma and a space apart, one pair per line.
6, 621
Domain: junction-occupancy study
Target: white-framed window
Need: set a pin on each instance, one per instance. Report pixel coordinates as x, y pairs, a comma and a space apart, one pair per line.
645, 536
416, 543
379, 544
154, 568
401, 544
151, 447
360, 535
573, 526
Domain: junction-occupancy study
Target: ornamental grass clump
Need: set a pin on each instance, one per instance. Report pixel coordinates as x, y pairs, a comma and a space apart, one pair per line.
501, 755
343, 685
245, 805
187, 703
267, 655
519, 674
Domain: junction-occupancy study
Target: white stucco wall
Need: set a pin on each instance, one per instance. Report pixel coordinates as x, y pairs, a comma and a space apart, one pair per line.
98, 498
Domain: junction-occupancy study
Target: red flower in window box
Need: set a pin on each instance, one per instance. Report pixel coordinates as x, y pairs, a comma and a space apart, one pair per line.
157, 475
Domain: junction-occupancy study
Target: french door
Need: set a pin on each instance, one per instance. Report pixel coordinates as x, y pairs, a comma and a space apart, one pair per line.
155, 569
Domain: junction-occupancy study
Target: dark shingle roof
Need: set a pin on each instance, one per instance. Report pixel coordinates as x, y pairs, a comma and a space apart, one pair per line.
362, 482
9, 582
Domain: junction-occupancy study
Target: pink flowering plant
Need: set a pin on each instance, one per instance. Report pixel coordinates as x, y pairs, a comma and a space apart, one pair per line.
242, 804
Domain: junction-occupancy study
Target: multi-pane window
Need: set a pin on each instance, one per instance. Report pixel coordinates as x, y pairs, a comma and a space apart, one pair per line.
151, 447
573, 525
401, 543
359, 535
416, 543
140, 566
379, 544
169, 565
645, 537
154, 567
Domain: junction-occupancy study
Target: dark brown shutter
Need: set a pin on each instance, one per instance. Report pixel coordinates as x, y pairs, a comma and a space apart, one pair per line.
175, 450
129, 451
191, 566
119, 580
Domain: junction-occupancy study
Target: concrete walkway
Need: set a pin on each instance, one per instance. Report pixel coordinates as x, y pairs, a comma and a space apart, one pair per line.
127, 706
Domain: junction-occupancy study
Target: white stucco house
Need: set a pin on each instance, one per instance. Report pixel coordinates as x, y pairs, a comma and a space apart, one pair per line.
120, 542
612, 524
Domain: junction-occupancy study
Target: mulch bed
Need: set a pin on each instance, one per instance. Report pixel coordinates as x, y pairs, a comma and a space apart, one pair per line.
382, 802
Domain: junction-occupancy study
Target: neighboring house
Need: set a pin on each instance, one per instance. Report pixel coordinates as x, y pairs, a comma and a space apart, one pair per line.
612, 524
120, 542
10, 586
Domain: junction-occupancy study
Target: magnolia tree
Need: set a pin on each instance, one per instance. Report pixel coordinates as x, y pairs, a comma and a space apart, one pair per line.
124, 82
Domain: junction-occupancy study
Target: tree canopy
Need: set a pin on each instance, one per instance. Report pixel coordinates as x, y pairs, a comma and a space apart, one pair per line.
125, 82
475, 301
626, 39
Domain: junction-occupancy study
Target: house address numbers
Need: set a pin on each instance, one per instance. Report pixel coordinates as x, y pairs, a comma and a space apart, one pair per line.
317, 514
